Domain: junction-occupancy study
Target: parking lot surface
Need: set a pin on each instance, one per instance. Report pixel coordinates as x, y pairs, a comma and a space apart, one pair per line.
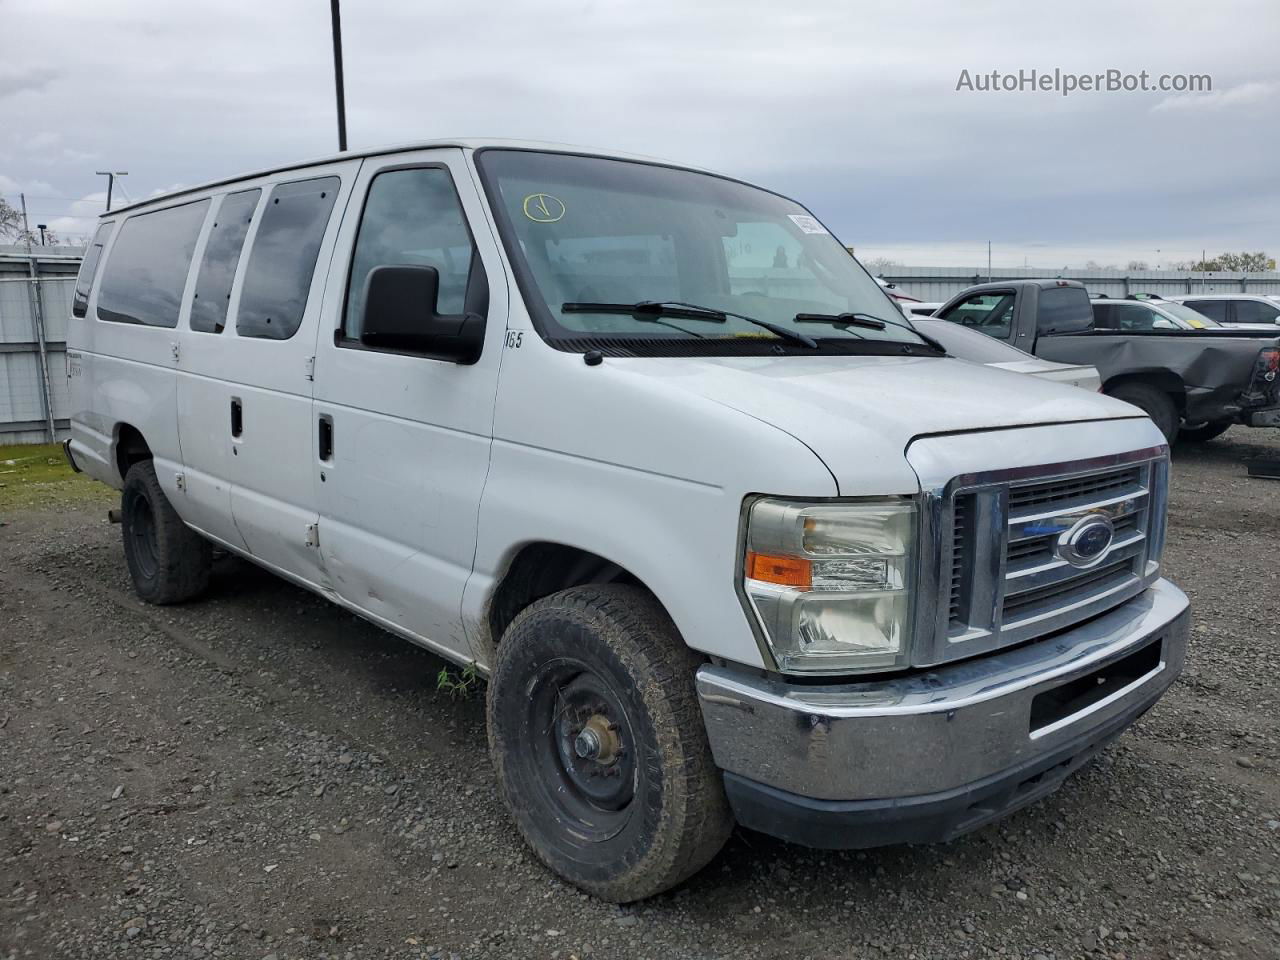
260, 774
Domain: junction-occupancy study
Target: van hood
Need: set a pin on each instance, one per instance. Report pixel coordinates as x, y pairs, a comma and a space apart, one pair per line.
859, 414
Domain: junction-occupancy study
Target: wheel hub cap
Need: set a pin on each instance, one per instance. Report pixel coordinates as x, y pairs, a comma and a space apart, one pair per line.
598, 741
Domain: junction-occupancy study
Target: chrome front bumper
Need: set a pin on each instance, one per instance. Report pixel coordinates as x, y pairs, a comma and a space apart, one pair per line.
940, 732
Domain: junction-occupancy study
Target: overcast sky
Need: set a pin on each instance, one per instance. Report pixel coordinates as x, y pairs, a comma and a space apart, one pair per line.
852, 108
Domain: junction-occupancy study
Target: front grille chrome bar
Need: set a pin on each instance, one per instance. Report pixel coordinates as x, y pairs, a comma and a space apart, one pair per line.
1000, 578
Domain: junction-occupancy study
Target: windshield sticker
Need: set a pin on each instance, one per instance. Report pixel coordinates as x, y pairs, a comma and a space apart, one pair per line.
543, 208
806, 224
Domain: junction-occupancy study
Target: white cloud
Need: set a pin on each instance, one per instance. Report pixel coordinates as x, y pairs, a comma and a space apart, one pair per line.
1242, 94
32, 188
81, 218
21, 81
852, 109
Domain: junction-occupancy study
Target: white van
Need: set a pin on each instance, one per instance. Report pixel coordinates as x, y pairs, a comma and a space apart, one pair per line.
648, 448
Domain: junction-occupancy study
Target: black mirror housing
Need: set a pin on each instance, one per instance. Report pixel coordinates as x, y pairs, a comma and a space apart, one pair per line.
400, 307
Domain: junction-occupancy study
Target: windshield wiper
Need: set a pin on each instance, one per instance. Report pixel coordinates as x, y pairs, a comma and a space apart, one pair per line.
650, 309
845, 320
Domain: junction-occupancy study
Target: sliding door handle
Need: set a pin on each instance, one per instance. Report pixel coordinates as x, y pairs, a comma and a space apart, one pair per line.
237, 418
324, 439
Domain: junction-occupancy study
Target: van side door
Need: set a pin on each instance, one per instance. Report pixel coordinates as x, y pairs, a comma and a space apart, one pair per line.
403, 441
246, 372
203, 395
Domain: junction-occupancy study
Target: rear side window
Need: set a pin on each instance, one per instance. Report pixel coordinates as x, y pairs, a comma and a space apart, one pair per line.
412, 217
89, 270
1213, 309
278, 276
221, 255
1064, 310
1255, 311
147, 270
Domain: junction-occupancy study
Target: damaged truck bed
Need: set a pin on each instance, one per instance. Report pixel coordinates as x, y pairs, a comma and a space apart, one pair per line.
1194, 384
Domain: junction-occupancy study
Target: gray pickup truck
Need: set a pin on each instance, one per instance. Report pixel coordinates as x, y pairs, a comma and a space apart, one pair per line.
1193, 383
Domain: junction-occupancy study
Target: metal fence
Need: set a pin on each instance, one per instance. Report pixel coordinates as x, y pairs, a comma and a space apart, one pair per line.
940, 283
35, 302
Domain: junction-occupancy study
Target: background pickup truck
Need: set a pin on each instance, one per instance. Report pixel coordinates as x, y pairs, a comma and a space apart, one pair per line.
1193, 383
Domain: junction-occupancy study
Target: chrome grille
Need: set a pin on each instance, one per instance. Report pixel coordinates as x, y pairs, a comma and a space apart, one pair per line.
1054, 594
961, 533
1006, 579
1057, 492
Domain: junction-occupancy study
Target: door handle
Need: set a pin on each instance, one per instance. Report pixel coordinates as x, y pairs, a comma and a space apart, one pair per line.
237, 418
325, 438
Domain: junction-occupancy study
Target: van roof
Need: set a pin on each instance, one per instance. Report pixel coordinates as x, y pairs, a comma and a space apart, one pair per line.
465, 143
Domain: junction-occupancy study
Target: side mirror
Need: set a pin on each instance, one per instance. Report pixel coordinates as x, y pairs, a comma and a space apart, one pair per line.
1163, 324
400, 304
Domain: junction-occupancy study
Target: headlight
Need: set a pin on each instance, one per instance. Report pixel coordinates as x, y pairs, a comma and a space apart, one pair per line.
831, 583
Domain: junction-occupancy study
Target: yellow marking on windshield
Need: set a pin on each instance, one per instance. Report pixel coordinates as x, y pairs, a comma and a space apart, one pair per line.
543, 208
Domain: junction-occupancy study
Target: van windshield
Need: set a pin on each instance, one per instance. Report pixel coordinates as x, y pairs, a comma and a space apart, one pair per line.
588, 231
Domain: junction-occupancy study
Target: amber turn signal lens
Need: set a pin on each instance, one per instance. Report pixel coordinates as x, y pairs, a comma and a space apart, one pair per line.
784, 571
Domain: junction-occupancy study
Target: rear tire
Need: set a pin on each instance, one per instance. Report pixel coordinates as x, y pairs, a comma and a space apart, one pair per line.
1155, 403
168, 561
644, 808
1202, 432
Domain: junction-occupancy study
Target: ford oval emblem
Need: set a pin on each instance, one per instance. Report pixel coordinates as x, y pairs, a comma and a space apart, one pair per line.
1088, 540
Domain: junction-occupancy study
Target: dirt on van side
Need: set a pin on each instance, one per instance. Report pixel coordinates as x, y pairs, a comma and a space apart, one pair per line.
261, 775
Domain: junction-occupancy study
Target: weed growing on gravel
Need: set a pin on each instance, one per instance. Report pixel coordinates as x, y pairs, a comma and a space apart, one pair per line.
458, 684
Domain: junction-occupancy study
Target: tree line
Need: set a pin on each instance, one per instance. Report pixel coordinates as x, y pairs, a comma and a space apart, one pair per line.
12, 230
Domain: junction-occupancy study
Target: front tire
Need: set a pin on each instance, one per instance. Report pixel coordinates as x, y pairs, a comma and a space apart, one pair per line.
597, 740
168, 561
1155, 403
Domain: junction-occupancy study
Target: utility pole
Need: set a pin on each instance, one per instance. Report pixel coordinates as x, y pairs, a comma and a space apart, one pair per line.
111, 182
41, 227
988, 261
26, 230
337, 75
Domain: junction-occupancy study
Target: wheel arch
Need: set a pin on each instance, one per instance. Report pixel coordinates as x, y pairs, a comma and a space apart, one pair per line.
130, 447
538, 569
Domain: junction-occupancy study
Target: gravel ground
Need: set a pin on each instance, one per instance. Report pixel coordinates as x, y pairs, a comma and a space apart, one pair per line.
261, 775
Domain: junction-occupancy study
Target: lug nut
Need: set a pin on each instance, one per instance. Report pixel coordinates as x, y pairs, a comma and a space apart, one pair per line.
587, 744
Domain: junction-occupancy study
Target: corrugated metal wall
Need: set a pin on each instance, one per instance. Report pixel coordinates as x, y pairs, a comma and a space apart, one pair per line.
33, 386
941, 283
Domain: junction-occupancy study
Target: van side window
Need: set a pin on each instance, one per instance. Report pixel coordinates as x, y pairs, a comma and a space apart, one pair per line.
283, 259
221, 256
411, 217
89, 270
147, 270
